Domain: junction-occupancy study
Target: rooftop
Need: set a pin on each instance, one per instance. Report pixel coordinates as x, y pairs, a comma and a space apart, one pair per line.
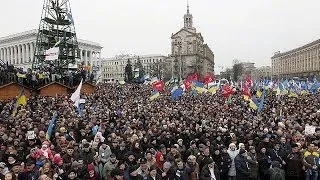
279, 54
34, 32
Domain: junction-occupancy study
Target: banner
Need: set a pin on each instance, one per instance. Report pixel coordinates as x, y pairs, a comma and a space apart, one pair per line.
52, 54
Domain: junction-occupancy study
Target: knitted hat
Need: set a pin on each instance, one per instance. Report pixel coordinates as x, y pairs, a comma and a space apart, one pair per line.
167, 165
90, 167
242, 151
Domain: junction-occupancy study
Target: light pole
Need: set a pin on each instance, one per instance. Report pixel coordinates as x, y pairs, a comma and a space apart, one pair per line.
180, 64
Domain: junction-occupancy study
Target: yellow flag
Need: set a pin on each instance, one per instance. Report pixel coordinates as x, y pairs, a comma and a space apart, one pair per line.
253, 105
213, 89
246, 98
154, 96
259, 94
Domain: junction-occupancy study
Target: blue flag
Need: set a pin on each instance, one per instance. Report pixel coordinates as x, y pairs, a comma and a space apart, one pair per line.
50, 127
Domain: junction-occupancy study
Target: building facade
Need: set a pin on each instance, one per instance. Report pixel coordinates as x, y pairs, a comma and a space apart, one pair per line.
261, 73
301, 62
113, 69
18, 50
189, 53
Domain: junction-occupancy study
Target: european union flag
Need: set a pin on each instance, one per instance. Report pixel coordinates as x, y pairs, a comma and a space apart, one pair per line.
176, 94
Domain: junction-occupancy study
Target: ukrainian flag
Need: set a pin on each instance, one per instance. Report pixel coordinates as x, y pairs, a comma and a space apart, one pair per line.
50, 127
278, 91
21, 100
259, 94
200, 90
284, 92
213, 89
246, 98
154, 95
293, 94
303, 92
252, 105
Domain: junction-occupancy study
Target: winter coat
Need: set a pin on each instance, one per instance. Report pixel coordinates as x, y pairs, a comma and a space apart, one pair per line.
206, 175
169, 176
232, 169
253, 165
181, 174
107, 168
275, 174
29, 175
264, 162
225, 163
241, 167
277, 155
104, 154
88, 157
294, 164
202, 159
192, 171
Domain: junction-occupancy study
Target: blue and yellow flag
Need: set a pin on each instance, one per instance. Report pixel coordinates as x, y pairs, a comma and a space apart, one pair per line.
21, 100
252, 105
213, 89
261, 102
50, 127
259, 94
293, 94
154, 95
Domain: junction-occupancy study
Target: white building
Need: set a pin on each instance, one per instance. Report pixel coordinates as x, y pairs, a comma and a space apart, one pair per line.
113, 68
18, 50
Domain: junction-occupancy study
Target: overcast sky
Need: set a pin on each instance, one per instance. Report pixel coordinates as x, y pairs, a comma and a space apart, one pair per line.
248, 30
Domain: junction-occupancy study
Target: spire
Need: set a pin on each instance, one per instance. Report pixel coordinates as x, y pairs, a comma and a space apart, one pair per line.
188, 18
188, 12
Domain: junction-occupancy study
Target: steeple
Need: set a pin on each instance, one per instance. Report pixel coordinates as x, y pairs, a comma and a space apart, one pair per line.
188, 12
188, 22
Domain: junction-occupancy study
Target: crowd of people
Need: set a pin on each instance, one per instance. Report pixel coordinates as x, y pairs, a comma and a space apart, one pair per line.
121, 134
40, 77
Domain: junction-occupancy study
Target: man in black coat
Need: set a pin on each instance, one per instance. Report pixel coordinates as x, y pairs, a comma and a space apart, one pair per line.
241, 165
294, 164
210, 171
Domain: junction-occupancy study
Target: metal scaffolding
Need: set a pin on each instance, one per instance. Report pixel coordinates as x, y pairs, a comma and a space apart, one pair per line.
56, 30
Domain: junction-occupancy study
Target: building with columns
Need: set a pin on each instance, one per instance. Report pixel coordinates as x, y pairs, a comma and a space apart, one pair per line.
302, 62
113, 69
189, 53
261, 73
18, 50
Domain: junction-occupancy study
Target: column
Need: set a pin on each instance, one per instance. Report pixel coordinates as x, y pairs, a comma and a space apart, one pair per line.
32, 51
27, 53
99, 60
8, 57
23, 53
91, 58
14, 54
1, 53
95, 58
5, 53
82, 55
3, 56
85, 57
19, 54
11, 54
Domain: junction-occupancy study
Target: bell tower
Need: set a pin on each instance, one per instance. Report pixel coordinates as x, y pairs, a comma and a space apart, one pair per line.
188, 19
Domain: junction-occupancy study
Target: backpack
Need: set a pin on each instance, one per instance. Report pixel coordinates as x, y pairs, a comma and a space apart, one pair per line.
277, 174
